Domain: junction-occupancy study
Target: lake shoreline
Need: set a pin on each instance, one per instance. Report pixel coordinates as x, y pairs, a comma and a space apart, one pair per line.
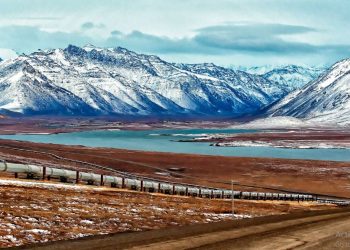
208, 170
294, 139
198, 142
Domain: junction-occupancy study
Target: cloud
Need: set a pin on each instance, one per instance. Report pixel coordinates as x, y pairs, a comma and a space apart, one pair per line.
116, 33
91, 25
140, 41
26, 39
7, 53
230, 40
40, 18
254, 38
88, 25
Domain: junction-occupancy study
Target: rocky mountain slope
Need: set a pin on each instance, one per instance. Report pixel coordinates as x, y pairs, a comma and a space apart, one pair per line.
116, 81
326, 99
290, 76
293, 77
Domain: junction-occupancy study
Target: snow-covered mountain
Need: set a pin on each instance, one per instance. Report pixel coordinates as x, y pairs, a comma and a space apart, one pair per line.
257, 70
326, 99
292, 76
95, 81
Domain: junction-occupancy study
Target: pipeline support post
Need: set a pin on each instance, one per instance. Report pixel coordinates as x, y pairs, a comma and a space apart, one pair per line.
123, 182
101, 182
141, 186
44, 173
77, 177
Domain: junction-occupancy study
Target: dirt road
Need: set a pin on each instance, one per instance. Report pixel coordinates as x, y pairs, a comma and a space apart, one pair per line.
308, 230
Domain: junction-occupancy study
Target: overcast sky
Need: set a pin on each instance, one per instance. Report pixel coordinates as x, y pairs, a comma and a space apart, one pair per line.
225, 32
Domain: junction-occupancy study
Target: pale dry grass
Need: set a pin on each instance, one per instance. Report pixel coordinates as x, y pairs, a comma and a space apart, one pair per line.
30, 214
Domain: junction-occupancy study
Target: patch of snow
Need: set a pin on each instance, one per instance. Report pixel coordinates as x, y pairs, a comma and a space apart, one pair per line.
23, 183
87, 222
38, 231
10, 238
278, 122
286, 144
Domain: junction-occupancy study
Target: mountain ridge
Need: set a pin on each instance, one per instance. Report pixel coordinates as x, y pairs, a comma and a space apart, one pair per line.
325, 99
115, 81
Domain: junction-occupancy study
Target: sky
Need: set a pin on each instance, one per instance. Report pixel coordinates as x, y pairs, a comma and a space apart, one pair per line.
225, 32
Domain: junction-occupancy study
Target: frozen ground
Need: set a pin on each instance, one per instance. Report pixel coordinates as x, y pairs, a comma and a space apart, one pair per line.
283, 122
32, 211
286, 144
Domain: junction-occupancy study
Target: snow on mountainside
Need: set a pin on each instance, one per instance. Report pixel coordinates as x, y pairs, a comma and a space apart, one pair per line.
247, 86
281, 122
257, 70
326, 99
25, 90
292, 76
94, 81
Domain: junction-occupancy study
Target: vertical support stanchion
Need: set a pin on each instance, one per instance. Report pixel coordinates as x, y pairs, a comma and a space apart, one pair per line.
44, 173
199, 192
233, 200
77, 177
212, 194
173, 189
158, 188
16, 175
186, 192
141, 186
101, 182
123, 182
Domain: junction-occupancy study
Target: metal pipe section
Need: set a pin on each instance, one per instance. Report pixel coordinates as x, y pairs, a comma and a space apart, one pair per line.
65, 175
20, 168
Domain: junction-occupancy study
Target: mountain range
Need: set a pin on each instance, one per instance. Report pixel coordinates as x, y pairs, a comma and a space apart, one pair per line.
115, 81
97, 81
291, 76
326, 99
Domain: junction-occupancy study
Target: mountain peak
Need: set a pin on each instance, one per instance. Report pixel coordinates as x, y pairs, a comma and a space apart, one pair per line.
89, 46
114, 81
74, 50
323, 100
293, 76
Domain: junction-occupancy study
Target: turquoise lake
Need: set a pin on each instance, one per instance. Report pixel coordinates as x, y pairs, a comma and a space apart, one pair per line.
165, 140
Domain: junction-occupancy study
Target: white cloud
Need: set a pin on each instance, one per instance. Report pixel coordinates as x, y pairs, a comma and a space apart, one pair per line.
7, 53
178, 30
